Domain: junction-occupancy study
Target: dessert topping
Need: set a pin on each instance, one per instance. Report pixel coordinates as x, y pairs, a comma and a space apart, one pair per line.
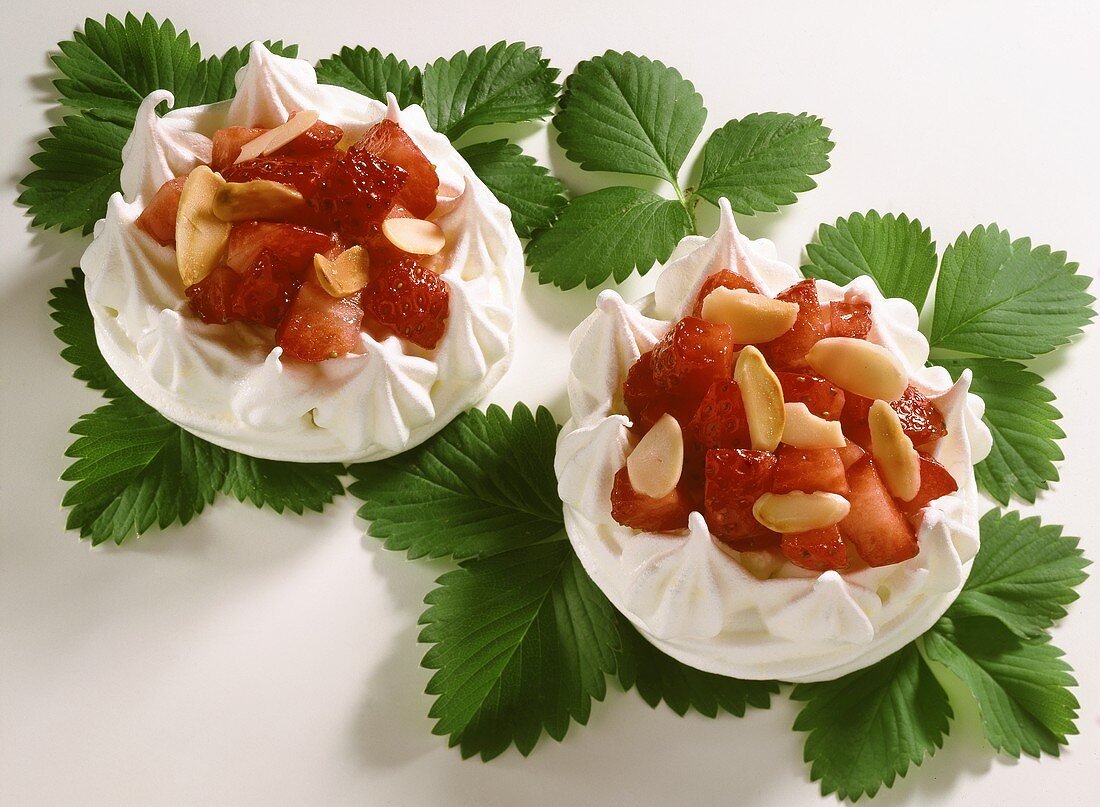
655, 464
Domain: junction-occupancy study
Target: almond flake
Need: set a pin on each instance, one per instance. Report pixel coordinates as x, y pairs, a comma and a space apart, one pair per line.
803, 429
201, 237
256, 199
799, 512
655, 464
896, 459
274, 139
859, 366
347, 274
763, 398
753, 318
416, 236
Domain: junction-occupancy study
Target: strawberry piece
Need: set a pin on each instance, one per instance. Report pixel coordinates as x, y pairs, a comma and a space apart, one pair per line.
645, 401
388, 141
875, 526
788, 352
850, 319
319, 137
212, 297
305, 173
935, 481
919, 417
411, 300
816, 550
850, 454
228, 143
291, 244
821, 397
720, 420
726, 279
357, 192
264, 292
735, 479
318, 326
633, 509
158, 218
809, 470
692, 356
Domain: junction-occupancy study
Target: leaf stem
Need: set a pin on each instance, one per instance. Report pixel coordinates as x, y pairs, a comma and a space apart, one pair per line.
689, 200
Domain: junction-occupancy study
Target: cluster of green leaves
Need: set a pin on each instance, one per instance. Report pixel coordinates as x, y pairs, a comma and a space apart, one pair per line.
133, 469
997, 301
627, 114
866, 728
521, 639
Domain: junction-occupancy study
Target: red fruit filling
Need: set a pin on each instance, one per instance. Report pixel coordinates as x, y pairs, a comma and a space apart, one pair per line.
266, 274
688, 374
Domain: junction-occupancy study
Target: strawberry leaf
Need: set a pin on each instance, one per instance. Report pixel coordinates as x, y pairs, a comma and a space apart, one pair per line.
372, 74
77, 331
532, 194
293, 486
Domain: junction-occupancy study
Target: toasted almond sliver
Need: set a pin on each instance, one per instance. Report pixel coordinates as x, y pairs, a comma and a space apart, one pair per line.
347, 274
753, 318
416, 236
761, 563
201, 237
895, 457
763, 398
256, 199
859, 366
798, 511
655, 464
803, 429
274, 139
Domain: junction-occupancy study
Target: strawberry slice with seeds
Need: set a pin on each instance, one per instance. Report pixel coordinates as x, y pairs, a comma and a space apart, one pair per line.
919, 417
735, 479
852, 320
158, 218
388, 141
318, 326
633, 509
291, 244
411, 300
724, 279
821, 397
720, 420
809, 470
356, 193
645, 401
305, 172
212, 297
816, 550
228, 143
788, 352
319, 137
264, 292
692, 356
875, 525
935, 481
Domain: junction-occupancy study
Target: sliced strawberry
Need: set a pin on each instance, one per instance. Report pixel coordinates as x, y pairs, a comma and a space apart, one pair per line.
319, 137
809, 470
306, 173
228, 143
821, 397
264, 292
723, 278
850, 319
318, 326
816, 550
720, 422
853, 419
735, 479
159, 216
645, 401
411, 300
692, 356
920, 418
850, 454
391, 143
875, 526
935, 481
633, 509
291, 244
356, 193
788, 352
212, 297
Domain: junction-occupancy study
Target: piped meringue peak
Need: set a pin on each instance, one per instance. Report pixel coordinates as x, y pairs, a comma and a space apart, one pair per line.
752, 614
226, 383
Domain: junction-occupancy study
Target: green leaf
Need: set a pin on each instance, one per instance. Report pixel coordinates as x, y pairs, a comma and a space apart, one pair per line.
763, 160
1021, 419
482, 485
77, 331
111, 67
1021, 685
294, 486
609, 232
1001, 298
221, 71
508, 83
532, 194
1024, 575
79, 166
866, 728
135, 469
660, 677
897, 252
629, 114
372, 74
522, 642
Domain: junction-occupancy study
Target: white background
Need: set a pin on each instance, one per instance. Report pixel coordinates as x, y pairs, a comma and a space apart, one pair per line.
255, 659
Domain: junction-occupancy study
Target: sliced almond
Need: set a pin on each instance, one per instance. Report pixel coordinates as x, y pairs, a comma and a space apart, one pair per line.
274, 139
655, 464
859, 366
763, 399
798, 512
201, 236
803, 429
753, 318
256, 199
761, 563
417, 236
348, 273
896, 459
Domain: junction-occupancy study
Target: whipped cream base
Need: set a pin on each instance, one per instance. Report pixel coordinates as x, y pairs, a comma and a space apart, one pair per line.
694, 598
227, 383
